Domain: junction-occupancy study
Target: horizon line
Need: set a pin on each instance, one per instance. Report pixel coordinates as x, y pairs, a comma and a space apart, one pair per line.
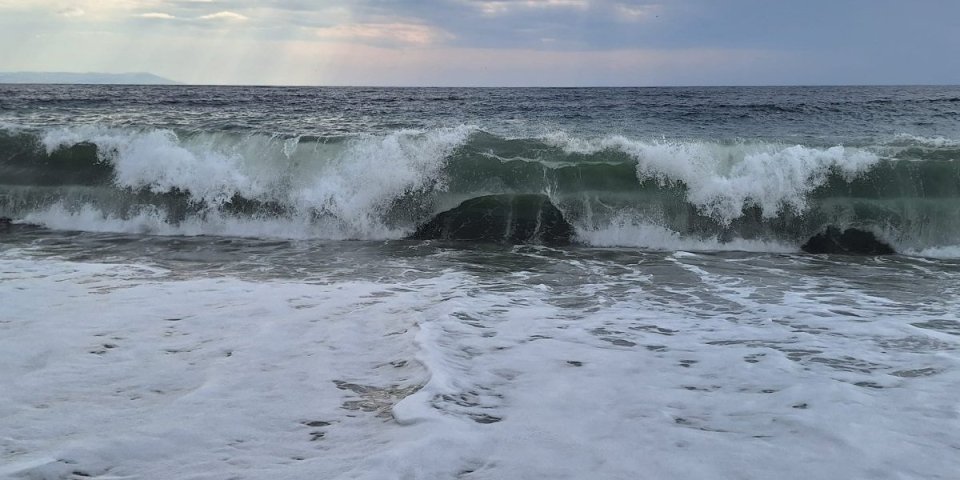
293, 85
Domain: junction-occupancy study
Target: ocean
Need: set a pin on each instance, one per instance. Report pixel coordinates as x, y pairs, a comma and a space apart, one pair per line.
234, 282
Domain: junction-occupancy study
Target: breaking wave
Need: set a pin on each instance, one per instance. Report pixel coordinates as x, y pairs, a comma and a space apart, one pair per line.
615, 190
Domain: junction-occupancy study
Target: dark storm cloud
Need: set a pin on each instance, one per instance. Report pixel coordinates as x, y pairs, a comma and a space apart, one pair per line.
850, 41
680, 23
872, 28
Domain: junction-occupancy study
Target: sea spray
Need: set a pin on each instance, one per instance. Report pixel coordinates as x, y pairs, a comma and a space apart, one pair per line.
614, 190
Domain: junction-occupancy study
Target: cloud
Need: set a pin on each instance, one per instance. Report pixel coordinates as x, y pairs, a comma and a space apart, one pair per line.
388, 33
548, 24
71, 12
213, 17
226, 17
498, 7
491, 42
635, 13
157, 16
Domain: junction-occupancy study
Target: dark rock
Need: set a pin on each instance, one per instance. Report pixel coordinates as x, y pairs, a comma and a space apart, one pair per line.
6, 220
851, 241
519, 218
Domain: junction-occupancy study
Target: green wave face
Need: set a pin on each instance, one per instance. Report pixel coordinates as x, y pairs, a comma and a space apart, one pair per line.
614, 190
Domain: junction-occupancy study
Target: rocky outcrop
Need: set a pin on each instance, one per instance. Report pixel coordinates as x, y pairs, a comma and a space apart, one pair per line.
509, 218
851, 241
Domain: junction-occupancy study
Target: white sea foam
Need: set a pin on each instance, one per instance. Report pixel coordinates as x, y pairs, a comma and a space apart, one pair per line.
357, 180
711, 369
623, 231
353, 182
935, 142
195, 378
10, 127
723, 179
348, 189
150, 220
359, 186
945, 252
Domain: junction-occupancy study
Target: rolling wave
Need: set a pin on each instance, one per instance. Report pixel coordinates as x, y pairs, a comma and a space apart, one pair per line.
615, 190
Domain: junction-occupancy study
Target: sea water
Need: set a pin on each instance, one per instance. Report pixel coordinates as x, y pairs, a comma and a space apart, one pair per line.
217, 282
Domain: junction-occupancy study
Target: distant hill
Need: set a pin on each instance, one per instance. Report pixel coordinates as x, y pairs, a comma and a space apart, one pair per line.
85, 78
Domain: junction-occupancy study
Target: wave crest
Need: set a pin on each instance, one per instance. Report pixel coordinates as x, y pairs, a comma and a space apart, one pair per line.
723, 179
354, 181
614, 190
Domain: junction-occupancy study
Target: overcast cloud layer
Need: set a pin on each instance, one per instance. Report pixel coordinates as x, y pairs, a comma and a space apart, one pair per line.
495, 42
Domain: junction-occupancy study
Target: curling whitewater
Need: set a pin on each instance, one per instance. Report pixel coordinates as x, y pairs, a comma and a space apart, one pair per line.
616, 191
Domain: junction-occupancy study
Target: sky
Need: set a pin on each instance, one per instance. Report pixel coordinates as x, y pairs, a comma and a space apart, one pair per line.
490, 42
